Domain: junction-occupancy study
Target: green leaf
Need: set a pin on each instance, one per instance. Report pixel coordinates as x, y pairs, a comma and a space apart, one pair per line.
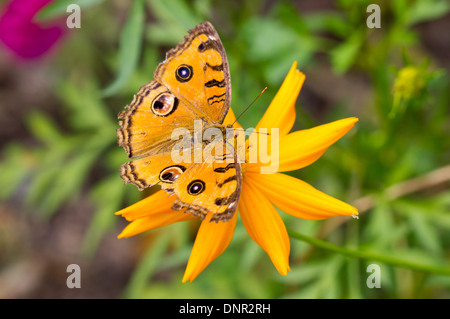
381, 225
333, 22
422, 218
175, 12
306, 273
147, 266
251, 254
426, 234
275, 46
107, 196
425, 10
87, 111
64, 183
40, 186
267, 39
164, 34
413, 261
43, 128
14, 167
344, 55
129, 48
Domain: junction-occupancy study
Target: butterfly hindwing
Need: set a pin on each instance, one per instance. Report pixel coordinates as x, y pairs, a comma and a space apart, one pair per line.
213, 186
152, 170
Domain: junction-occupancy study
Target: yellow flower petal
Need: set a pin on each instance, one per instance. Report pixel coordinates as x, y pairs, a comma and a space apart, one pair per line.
281, 111
298, 198
265, 226
211, 241
153, 204
302, 148
162, 218
151, 212
230, 117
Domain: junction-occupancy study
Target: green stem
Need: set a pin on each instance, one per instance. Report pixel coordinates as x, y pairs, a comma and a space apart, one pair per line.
370, 256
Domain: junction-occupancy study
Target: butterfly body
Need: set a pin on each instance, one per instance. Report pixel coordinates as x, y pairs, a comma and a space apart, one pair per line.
191, 91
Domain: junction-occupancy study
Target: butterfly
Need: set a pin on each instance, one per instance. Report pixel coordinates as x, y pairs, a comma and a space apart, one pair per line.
191, 84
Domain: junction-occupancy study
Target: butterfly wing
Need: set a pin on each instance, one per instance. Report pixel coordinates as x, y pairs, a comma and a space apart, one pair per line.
196, 71
170, 101
214, 186
147, 123
208, 187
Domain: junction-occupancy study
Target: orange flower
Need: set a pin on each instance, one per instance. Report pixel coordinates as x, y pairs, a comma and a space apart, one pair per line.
260, 192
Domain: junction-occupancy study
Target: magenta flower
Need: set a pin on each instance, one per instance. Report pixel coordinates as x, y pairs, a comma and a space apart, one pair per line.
18, 32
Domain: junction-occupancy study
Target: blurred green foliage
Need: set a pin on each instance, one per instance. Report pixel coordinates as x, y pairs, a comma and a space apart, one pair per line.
403, 133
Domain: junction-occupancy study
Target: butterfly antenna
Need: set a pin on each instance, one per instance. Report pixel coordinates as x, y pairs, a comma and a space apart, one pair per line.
249, 105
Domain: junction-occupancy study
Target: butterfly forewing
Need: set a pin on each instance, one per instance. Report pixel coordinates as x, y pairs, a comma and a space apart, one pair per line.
197, 70
147, 123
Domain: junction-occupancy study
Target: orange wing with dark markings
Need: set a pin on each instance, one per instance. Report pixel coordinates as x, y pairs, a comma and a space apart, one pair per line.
202, 188
147, 123
206, 86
